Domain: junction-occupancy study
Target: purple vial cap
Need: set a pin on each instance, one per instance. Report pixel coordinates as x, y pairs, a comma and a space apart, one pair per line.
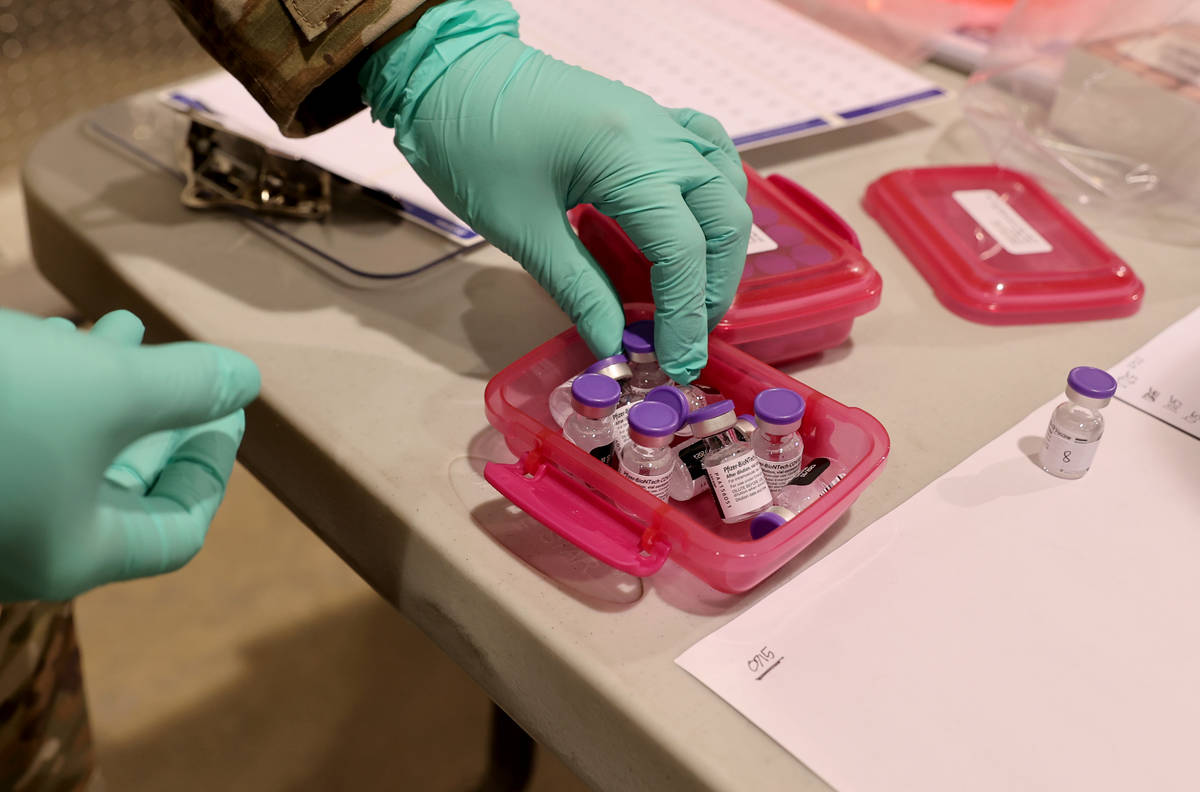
672, 397
711, 411
596, 390
653, 419
1091, 382
764, 523
748, 418
779, 406
638, 337
605, 363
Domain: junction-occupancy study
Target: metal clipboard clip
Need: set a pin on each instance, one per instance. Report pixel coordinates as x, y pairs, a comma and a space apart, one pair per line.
224, 170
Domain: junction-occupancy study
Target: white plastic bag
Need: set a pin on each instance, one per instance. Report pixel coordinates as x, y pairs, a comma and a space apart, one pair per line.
1100, 99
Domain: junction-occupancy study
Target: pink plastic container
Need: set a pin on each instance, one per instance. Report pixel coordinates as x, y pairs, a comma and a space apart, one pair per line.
998, 249
796, 299
621, 524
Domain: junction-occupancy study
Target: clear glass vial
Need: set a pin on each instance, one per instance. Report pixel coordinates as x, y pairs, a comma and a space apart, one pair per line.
615, 367
777, 442
811, 482
590, 427
689, 480
638, 341
646, 459
1076, 425
729, 464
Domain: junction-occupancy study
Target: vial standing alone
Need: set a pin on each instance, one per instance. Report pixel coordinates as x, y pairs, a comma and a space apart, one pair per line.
1076, 425
590, 427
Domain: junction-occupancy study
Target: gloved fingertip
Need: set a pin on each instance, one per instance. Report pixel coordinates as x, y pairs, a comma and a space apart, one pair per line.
120, 326
60, 323
240, 379
602, 334
686, 366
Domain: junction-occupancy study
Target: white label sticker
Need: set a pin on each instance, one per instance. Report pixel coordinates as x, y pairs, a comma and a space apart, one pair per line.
779, 474
657, 485
759, 241
1062, 453
1002, 222
739, 485
620, 418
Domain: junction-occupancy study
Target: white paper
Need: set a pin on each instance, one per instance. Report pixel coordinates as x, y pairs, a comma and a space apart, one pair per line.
1002, 630
802, 78
764, 70
1163, 377
357, 149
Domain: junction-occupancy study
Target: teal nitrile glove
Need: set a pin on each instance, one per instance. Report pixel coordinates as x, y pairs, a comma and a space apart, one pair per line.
509, 139
113, 457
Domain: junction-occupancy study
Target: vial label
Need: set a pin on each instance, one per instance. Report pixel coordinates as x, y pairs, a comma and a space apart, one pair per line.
759, 241
738, 485
657, 484
779, 474
810, 472
692, 457
620, 419
1002, 223
604, 453
1062, 453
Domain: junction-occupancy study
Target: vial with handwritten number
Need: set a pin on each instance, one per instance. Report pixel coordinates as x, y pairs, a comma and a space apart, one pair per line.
1077, 425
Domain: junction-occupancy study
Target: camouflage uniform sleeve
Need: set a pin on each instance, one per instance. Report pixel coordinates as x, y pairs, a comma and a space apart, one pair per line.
298, 58
45, 739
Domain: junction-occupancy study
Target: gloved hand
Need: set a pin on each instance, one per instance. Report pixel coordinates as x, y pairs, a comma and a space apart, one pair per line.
509, 139
113, 457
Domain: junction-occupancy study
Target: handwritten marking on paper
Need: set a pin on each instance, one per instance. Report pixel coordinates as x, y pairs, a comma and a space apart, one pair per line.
763, 662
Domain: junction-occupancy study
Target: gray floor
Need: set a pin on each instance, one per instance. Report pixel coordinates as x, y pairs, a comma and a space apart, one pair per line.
267, 665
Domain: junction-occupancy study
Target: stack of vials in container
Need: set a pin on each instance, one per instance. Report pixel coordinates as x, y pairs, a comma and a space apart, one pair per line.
677, 441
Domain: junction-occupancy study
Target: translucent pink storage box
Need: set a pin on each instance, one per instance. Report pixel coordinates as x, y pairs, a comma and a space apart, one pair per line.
797, 298
597, 509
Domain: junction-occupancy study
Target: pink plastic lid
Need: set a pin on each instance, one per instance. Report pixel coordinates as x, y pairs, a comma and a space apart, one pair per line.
998, 249
804, 269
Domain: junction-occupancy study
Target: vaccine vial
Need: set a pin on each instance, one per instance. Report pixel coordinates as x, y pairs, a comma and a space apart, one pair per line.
646, 459
777, 442
729, 464
590, 427
1076, 425
560, 402
689, 480
616, 367
638, 341
811, 482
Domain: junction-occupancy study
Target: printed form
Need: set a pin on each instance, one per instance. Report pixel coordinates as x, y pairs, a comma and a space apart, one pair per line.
1003, 629
766, 71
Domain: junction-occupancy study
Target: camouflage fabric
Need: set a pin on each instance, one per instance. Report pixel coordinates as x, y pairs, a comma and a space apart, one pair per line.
298, 58
45, 740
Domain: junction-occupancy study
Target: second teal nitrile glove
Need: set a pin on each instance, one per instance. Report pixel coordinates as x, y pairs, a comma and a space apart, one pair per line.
510, 138
113, 457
